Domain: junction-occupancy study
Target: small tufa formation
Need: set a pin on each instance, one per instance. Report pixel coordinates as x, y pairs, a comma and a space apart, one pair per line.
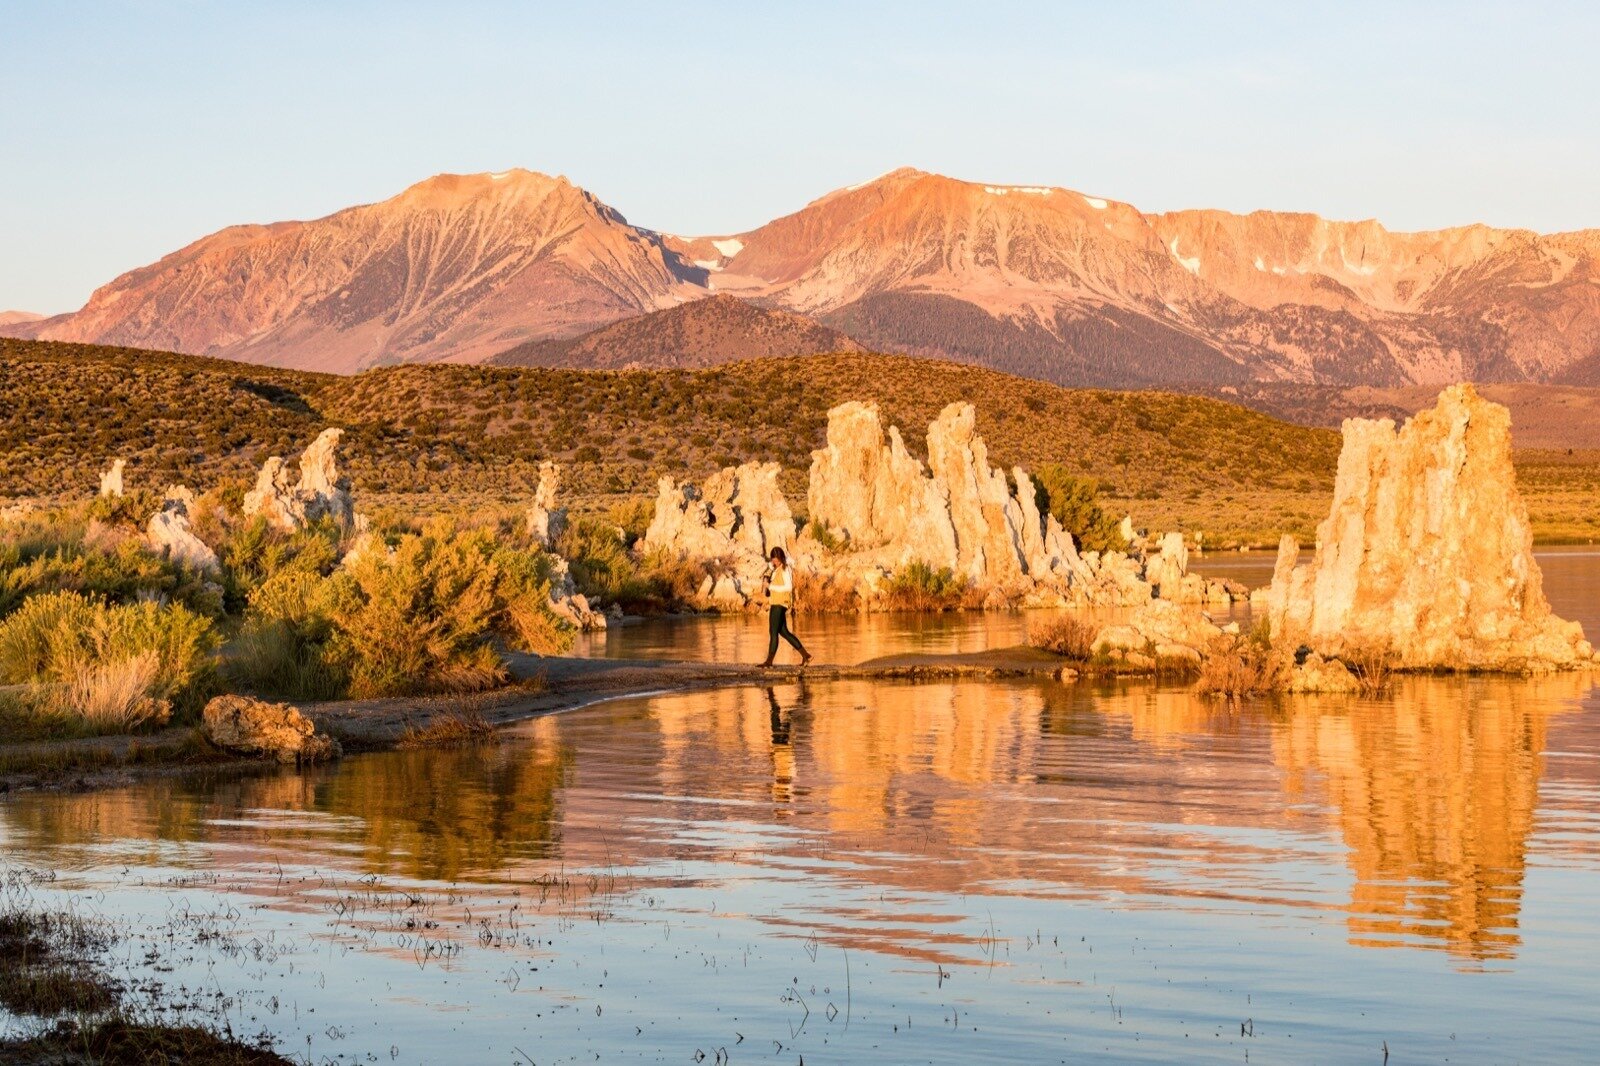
545, 519
1426, 552
111, 480
254, 727
320, 491
168, 533
737, 518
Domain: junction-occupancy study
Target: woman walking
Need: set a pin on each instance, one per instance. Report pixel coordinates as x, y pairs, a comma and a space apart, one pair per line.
780, 597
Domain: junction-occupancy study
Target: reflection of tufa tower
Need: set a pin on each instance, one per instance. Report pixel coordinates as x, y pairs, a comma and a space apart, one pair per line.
1435, 797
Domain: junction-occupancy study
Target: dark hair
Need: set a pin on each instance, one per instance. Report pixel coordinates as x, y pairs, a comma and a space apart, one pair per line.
778, 554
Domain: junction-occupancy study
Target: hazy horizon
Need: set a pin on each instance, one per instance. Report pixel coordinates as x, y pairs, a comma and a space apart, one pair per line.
136, 127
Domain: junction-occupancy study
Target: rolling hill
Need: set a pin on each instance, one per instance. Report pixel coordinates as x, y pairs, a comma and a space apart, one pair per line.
437, 437
709, 332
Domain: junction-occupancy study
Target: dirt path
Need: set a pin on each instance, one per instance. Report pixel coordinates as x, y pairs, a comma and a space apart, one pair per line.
540, 686
548, 685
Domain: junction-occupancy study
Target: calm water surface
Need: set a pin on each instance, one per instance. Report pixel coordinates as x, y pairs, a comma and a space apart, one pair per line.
851, 872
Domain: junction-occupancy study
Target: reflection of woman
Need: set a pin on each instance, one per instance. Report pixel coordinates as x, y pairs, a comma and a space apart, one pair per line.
780, 597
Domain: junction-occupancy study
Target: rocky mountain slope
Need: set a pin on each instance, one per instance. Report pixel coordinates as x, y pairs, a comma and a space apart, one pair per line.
455, 267
709, 332
1076, 288
1035, 280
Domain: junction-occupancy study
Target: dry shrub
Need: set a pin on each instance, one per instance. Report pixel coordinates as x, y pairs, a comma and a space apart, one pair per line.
1238, 666
450, 730
1064, 635
820, 592
1373, 666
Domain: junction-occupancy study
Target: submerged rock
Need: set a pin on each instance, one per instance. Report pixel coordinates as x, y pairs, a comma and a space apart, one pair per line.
1159, 629
1426, 552
1317, 674
320, 490
255, 727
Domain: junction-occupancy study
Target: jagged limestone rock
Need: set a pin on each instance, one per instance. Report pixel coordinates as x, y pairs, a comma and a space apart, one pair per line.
1426, 552
958, 512
168, 534
111, 480
736, 519
546, 519
320, 490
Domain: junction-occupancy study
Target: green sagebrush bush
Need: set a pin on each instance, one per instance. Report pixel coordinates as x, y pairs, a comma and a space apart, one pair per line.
607, 571
419, 617
917, 586
1074, 501
64, 551
254, 552
116, 665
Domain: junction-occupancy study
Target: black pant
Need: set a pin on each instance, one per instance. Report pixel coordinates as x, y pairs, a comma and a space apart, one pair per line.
778, 626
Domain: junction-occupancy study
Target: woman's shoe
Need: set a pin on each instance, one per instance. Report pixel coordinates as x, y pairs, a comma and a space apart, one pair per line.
805, 658
767, 665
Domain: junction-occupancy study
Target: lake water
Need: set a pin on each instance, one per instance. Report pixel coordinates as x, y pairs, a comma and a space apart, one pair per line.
850, 872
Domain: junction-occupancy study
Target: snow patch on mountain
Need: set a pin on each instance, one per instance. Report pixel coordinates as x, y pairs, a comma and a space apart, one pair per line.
1191, 265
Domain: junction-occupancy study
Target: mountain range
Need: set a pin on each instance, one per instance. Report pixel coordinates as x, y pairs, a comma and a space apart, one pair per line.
1077, 289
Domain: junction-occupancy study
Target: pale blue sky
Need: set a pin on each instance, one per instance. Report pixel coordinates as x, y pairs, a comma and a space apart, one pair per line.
130, 128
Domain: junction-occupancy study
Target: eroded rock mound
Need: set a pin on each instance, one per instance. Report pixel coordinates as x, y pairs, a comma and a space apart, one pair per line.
111, 480
320, 490
1426, 552
545, 519
958, 512
732, 522
254, 727
168, 534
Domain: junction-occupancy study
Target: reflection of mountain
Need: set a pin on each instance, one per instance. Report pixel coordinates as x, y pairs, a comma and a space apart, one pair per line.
1435, 795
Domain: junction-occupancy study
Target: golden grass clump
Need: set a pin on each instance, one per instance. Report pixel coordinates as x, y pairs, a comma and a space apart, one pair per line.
449, 730
1065, 635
